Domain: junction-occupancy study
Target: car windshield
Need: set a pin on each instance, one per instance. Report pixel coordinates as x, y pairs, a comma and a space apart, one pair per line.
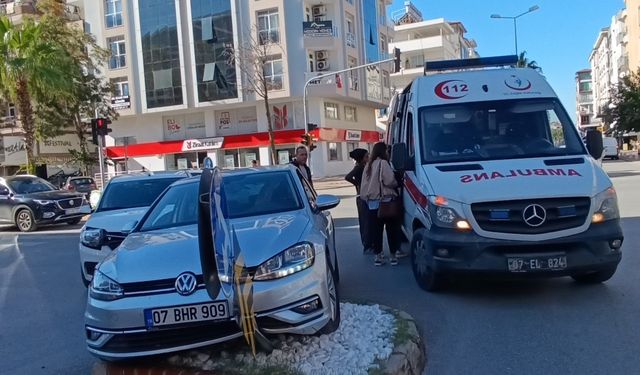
129, 194
26, 185
256, 194
82, 181
177, 207
505, 129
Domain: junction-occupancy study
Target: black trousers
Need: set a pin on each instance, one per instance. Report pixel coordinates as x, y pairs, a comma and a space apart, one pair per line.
363, 221
377, 226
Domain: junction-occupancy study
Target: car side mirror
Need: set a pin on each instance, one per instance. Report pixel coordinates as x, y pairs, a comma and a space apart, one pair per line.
595, 145
129, 227
400, 159
327, 202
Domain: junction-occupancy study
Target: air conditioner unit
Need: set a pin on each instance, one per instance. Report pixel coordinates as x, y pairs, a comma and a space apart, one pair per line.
322, 65
319, 10
321, 55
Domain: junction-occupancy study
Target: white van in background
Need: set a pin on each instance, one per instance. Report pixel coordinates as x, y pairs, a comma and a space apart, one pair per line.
497, 179
611, 148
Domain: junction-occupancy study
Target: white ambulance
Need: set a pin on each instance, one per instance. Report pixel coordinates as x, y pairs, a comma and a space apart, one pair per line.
497, 179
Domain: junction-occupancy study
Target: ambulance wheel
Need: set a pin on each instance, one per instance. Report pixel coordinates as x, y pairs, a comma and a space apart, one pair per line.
422, 263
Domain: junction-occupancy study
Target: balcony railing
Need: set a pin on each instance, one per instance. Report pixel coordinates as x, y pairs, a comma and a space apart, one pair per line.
351, 40
585, 98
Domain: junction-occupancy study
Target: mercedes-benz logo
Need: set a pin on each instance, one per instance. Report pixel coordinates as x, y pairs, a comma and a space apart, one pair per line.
534, 215
186, 283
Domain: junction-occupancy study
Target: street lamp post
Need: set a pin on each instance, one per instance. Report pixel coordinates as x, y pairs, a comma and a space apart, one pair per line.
515, 21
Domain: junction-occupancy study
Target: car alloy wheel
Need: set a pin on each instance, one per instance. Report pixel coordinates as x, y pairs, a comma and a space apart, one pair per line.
334, 301
24, 221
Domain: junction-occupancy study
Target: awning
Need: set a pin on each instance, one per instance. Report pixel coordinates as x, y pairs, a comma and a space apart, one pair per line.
241, 141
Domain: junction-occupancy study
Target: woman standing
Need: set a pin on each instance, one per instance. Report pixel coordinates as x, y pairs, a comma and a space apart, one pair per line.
361, 156
379, 184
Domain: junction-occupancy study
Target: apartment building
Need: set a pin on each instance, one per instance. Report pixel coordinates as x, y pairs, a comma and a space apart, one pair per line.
632, 23
584, 99
53, 152
181, 99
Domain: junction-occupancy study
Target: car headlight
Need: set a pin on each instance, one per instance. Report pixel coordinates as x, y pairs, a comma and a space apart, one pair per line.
42, 202
92, 237
445, 215
290, 261
607, 203
105, 289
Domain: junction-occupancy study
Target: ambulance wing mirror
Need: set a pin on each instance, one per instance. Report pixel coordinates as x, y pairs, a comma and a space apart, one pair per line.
400, 157
595, 144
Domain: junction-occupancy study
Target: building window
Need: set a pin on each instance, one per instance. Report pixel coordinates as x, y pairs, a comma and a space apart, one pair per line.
584, 120
350, 113
351, 31
212, 28
383, 45
160, 54
268, 26
118, 52
113, 13
335, 151
386, 83
353, 74
12, 110
273, 73
331, 111
120, 86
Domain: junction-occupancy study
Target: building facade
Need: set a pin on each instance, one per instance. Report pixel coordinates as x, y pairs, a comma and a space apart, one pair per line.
584, 99
52, 153
600, 61
181, 99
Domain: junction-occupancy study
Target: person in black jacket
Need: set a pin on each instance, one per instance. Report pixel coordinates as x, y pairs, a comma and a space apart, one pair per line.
361, 156
300, 161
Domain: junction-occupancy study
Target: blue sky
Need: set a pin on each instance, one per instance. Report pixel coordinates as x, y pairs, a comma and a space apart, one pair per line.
559, 36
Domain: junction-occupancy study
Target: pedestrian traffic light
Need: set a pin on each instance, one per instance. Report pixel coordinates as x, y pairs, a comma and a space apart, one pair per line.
396, 60
312, 127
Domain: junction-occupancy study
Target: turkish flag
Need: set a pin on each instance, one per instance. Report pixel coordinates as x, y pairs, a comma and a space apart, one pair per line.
338, 81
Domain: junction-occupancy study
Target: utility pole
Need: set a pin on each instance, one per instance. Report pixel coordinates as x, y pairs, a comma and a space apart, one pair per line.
101, 142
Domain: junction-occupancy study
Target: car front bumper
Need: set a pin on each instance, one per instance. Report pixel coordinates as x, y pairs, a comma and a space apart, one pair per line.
116, 329
470, 253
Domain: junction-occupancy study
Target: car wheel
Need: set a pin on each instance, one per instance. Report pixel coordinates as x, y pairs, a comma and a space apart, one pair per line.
422, 263
334, 300
25, 221
84, 279
595, 277
74, 221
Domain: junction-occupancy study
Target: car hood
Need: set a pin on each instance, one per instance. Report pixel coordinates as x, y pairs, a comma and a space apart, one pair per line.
53, 195
115, 220
156, 255
517, 179
168, 252
262, 237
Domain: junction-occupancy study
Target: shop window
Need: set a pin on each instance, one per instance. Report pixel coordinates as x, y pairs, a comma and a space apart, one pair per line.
335, 151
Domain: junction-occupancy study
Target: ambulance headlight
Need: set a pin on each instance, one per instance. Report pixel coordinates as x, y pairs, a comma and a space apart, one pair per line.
445, 213
607, 206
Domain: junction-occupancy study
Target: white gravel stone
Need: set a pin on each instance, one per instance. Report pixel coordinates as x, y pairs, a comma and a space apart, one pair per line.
365, 335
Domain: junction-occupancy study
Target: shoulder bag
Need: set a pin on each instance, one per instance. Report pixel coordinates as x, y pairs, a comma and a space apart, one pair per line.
391, 209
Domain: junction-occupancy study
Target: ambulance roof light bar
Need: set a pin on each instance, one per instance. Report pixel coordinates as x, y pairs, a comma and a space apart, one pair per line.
461, 64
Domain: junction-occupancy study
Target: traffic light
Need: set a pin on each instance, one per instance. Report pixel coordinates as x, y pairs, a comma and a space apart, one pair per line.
396, 60
306, 139
94, 132
99, 127
312, 127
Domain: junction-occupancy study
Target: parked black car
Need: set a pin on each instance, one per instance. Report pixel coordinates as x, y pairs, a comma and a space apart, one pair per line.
29, 201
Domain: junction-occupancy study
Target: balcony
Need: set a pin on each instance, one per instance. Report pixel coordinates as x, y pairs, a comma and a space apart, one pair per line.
321, 35
420, 44
585, 98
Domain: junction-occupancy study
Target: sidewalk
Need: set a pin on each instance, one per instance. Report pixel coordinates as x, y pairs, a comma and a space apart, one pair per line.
330, 183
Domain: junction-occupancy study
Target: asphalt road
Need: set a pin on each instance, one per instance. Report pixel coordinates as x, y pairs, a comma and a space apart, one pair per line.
476, 327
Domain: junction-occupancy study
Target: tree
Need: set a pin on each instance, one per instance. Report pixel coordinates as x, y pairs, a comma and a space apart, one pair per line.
251, 57
524, 62
90, 91
31, 68
624, 108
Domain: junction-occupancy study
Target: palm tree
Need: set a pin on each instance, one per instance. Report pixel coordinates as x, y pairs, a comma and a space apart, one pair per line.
524, 62
30, 67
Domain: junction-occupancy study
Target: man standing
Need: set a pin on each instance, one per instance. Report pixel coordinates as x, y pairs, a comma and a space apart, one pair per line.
300, 161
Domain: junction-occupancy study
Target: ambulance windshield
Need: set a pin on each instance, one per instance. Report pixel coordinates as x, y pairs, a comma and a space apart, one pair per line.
495, 130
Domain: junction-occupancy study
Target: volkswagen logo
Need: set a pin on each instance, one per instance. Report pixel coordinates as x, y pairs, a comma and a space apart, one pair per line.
534, 215
186, 283
71, 202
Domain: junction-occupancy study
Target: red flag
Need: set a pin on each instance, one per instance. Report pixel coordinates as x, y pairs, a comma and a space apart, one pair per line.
338, 81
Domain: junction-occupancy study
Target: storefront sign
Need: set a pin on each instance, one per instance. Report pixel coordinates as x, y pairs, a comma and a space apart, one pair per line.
239, 121
374, 84
202, 144
353, 135
62, 144
14, 150
173, 127
224, 122
121, 102
317, 29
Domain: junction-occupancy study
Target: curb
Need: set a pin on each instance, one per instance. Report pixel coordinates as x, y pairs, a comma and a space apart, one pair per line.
407, 358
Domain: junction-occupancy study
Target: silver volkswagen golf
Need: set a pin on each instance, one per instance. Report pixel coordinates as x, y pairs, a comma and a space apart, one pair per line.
150, 296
